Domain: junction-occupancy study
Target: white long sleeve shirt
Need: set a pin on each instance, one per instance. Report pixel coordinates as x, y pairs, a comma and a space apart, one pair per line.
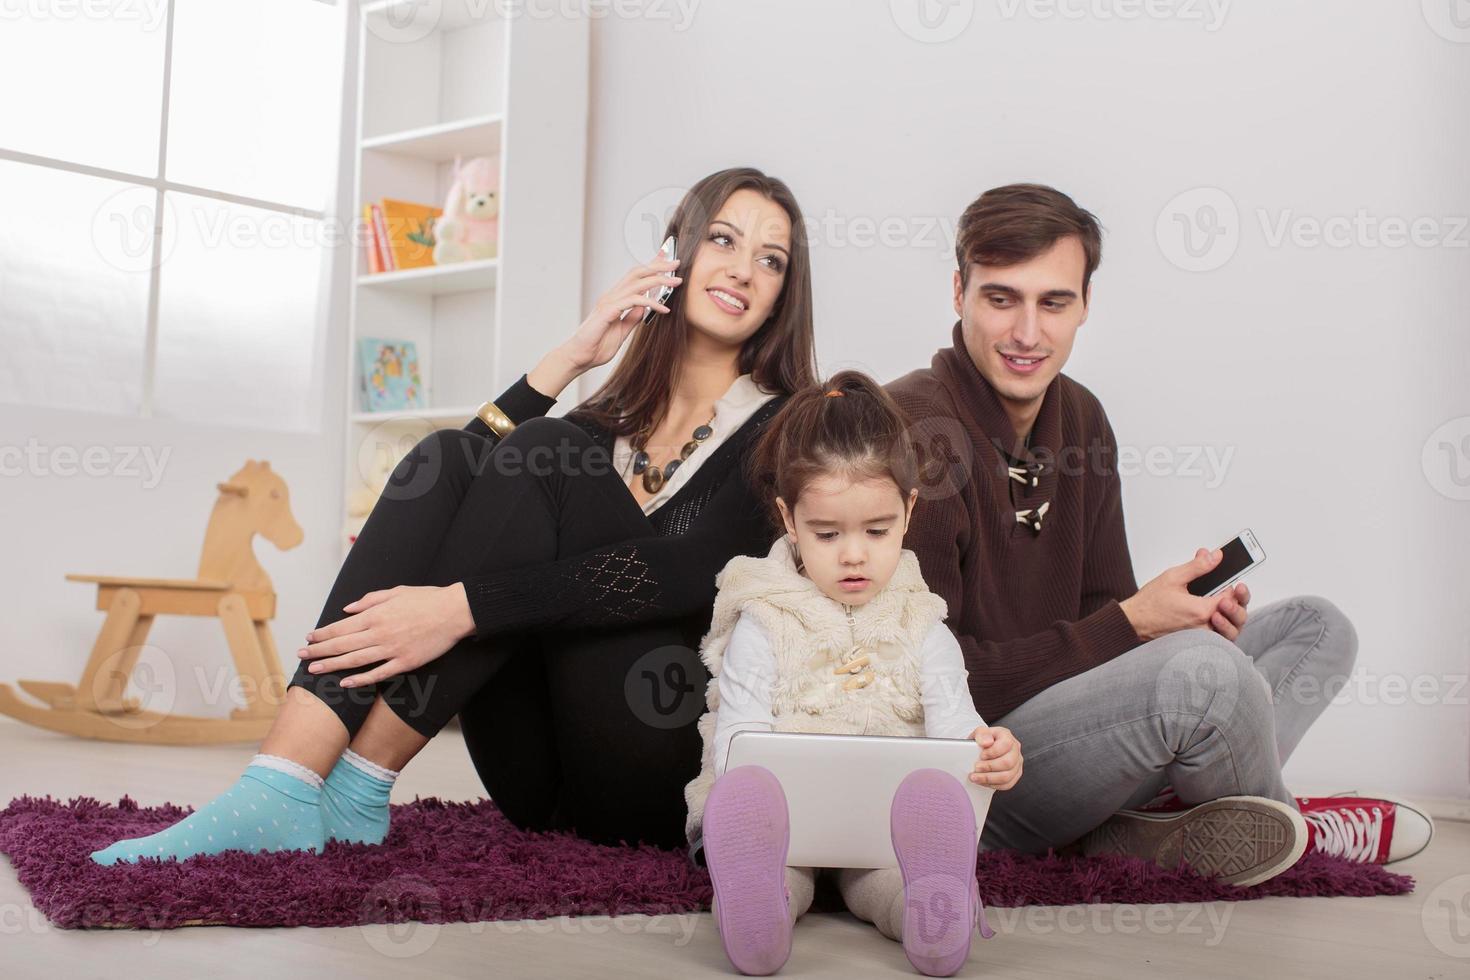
749, 669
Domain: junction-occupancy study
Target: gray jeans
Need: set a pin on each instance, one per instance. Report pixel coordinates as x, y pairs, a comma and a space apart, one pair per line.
1191, 710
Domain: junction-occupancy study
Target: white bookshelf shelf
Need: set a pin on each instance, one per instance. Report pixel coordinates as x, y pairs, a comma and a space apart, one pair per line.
437, 280
477, 136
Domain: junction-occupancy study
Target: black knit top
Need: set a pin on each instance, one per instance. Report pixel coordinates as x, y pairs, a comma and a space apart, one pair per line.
669, 575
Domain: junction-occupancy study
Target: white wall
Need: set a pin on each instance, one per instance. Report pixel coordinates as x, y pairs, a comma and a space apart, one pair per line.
1323, 370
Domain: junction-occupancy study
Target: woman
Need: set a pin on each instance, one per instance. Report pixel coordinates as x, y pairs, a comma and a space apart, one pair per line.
552, 592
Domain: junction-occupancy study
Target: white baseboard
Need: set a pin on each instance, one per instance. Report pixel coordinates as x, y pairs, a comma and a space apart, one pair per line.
1447, 809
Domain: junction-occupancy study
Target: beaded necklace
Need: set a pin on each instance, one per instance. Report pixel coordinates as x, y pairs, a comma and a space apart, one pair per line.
654, 477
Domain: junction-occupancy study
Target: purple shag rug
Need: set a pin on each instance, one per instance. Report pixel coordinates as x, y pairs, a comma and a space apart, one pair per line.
464, 862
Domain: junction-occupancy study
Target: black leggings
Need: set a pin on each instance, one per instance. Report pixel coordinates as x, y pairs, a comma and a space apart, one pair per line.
559, 725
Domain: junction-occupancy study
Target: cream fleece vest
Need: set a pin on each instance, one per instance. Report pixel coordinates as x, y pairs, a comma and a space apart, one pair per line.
811, 636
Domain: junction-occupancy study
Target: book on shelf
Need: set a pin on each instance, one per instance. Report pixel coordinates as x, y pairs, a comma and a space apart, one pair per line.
400, 234
370, 240
380, 234
388, 375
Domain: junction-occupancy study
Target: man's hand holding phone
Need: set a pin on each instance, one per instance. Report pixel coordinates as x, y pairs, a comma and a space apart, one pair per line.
1165, 605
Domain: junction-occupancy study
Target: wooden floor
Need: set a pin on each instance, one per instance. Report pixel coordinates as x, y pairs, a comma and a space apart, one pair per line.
1423, 935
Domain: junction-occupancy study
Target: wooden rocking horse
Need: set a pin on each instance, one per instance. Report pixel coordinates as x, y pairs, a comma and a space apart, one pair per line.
231, 585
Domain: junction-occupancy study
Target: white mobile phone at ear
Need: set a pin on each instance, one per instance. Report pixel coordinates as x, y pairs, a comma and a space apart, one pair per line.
668, 250
1242, 553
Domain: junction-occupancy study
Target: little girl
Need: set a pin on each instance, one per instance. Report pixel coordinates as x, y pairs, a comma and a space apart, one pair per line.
834, 631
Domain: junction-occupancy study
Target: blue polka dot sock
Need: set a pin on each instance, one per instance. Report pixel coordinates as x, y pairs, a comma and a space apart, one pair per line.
355, 800
275, 806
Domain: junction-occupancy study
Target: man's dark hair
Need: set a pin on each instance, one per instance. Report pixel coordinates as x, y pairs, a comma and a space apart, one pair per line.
1015, 223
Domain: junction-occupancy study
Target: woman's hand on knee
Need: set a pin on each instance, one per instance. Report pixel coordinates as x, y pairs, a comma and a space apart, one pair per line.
400, 629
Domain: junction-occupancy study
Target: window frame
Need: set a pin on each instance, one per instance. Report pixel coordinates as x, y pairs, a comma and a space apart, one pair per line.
161, 185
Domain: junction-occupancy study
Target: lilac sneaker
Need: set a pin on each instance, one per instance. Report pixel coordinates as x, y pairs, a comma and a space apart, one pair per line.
746, 833
933, 828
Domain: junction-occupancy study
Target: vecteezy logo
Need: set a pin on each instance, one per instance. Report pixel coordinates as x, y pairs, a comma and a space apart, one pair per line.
643, 227
125, 226
663, 687
405, 21
935, 915
932, 21
1450, 19
1199, 229
1446, 459
400, 916
148, 671
944, 454
1196, 680
401, 448
1446, 917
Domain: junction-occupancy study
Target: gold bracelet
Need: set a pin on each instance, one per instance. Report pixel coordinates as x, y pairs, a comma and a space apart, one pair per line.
498, 421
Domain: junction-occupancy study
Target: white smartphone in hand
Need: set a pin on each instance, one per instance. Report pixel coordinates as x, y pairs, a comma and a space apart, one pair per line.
1241, 554
668, 250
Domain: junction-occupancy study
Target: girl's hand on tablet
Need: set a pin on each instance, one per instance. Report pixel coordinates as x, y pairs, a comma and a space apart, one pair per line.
999, 765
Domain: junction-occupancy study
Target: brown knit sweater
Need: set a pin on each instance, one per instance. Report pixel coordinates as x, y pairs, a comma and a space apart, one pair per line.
1030, 608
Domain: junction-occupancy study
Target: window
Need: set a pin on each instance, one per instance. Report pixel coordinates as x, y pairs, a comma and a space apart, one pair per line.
166, 176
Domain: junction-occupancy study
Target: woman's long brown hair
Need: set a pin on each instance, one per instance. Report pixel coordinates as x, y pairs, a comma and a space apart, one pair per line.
780, 356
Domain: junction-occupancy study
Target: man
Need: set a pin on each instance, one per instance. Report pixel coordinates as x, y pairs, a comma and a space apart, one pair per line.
1123, 697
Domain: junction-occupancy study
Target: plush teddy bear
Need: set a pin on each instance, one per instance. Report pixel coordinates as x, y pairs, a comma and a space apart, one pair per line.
470, 225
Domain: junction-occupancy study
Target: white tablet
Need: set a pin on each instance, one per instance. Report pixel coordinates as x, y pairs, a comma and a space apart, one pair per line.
839, 788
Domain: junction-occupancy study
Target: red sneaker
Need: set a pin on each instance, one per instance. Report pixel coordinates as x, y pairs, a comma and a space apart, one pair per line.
1371, 830
1167, 801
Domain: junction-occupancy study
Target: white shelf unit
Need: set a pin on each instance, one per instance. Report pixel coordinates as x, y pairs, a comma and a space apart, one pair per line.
433, 280
436, 81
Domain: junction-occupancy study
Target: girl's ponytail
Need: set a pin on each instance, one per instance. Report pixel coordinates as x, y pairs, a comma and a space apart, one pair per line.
847, 425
